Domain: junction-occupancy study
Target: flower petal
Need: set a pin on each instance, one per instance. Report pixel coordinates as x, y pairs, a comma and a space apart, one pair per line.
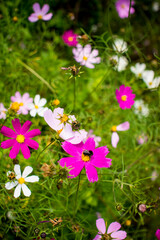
10, 185
114, 139
67, 161
33, 112
100, 223
17, 171
26, 126
16, 125
17, 191
33, 133
8, 132
25, 151
91, 173
14, 151
32, 179
26, 190
8, 143
27, 171
119, 235
76, 169
89, 144
47, 17
37, 99
67, 132
32, 144
123, 127
36, 7
73, 150
45, 8
113, 227
97, 237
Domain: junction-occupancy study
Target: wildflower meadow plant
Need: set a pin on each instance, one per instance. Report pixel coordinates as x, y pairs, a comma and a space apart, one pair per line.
20, 138
20, 103
85, 155
37, 107
40, 14
125, 97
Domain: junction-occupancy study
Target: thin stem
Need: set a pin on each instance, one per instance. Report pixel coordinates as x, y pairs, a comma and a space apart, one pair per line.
3, 123
74, 104
77, 194
45, 148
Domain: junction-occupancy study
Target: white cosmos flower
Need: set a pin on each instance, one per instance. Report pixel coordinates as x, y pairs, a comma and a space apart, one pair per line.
37, 107
120, 46
138, 69
19, 183
140, 108
3, 111
148, 78
120, 63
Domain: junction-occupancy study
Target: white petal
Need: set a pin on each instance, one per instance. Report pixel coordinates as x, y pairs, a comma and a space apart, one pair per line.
32, 179
27, 171
17, 170
17, 191
33, 112
114, 139
26, 190
42, 102
10, 185
36, 99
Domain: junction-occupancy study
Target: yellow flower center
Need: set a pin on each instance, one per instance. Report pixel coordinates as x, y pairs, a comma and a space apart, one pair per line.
56, 102
139, 75
15, 106
39, 17
59, 131
36, 106
3, 111
21, 180
20, 138
128, 222
150, 83
123, 6
63, 118
70, 39
85, 158
124, 98
140, 108
21, 104
15, 19
114, 129
85, 58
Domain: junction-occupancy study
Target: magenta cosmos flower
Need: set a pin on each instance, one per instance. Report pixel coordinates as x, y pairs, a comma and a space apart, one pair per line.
125, 97
85, 155
115, 138
70, 38
40, 13
123, 8
20, 103
158, 234
20, 138
112, 232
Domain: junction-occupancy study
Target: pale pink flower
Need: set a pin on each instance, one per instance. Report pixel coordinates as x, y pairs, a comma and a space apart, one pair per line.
142, 139
40, 13
115, 138
112, 231
123, 8
3, 111
86, 56
97, 139
23, 101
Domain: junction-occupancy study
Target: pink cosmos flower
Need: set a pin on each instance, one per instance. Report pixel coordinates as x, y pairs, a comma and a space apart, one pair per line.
125, 97
97, 139
20, 138
142, 139
85, 155
70, 38
123, 8
40, 13
3, 111
115, 138
158, 234
85, 56
112, 232
23, 102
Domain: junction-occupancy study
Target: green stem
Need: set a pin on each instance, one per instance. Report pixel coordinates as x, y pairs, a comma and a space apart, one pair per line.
74, 104
77, 194
45, 148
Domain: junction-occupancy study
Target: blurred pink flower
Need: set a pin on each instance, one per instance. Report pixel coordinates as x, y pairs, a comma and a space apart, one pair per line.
23, 102
142, 208
123, 8
142, 139
3, 111
70, 38
85, 56
115, 138
125, 97
85, 155
20, 138
40, 13
112, 232
158, 234
90, 134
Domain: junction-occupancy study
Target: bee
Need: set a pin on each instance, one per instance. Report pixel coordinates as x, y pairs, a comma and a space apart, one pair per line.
88, 153
56, 221
11, 176
76, 125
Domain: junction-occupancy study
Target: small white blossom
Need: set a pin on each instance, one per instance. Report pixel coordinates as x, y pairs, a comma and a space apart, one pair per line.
19, 183
148, 78
120, 46
140, 108
37, 107
120, 63
138, 69
155, 6
3, 111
